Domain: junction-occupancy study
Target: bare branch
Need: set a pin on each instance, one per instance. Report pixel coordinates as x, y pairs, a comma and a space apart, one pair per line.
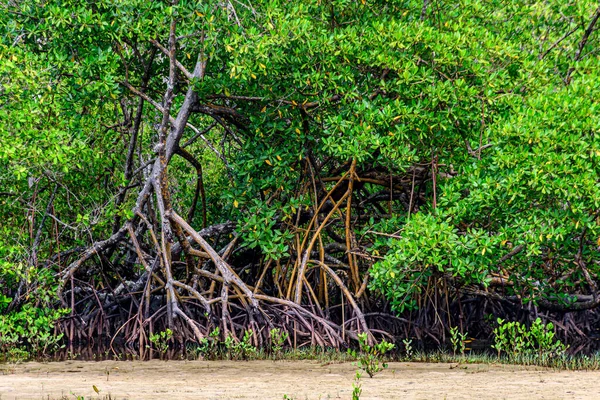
180, 66
583, 42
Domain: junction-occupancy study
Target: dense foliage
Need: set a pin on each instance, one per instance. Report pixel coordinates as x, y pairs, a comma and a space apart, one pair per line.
305, 165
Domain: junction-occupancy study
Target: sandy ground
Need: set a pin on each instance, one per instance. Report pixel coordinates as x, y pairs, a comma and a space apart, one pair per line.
297, 380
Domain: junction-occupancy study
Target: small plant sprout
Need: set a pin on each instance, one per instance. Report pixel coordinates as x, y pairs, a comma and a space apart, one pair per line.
209, 346
245, 348
242, 349
458, 341
370, 357
356, 386
161, 340
543, 337
278, 338
500, 337
408, 349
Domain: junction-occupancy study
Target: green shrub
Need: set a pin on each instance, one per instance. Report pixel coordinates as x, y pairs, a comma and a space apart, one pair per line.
515, 340
30, 330
240, 349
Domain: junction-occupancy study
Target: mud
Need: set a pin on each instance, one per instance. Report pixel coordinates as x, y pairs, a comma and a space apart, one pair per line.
297, 380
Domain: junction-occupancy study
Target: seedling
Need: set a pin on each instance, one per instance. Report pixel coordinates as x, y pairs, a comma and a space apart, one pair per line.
458, 340
161, 340
370, 357
356, 386
408, 347
278, 338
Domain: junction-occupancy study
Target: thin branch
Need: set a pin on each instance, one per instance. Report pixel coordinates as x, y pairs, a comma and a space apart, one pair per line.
583, 42
198, 134
144, 96
563, 37
180, 66
209, 144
